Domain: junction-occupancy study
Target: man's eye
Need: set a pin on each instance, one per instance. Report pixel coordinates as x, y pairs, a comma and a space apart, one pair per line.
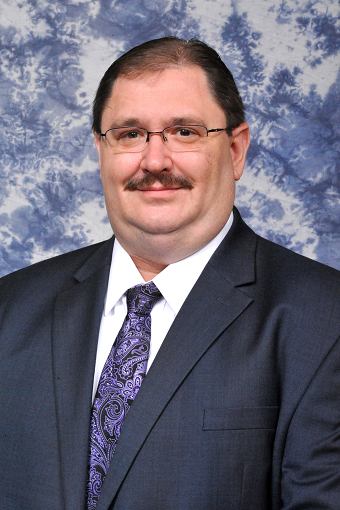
185, 132
130, 135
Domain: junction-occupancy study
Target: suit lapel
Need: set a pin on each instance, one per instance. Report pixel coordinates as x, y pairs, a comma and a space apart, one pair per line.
213, 304
76, 322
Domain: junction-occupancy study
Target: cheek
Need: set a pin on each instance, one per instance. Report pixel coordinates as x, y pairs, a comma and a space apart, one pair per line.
119, 168
210, 171
221, 166
195, 165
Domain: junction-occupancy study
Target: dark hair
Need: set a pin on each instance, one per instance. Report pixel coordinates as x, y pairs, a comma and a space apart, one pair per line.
166, 52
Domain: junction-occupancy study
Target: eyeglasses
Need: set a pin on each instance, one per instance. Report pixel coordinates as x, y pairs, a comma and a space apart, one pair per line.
177, 138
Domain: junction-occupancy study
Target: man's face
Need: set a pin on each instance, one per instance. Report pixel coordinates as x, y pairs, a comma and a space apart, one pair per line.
197, 195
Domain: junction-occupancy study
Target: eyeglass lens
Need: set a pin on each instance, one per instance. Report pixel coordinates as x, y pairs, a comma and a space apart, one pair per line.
133, 139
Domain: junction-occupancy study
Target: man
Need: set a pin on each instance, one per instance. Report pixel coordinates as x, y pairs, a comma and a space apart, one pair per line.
239, 407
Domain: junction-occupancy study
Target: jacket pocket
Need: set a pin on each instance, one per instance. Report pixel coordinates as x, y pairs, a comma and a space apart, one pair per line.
240, 418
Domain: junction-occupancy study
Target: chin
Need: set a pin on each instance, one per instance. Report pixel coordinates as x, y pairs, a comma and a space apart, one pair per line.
158, 229
158, 224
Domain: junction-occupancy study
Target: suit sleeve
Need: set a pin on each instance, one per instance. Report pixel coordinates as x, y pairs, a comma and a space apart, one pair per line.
311, 462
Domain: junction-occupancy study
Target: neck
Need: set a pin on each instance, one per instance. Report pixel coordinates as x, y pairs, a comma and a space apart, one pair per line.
147, 268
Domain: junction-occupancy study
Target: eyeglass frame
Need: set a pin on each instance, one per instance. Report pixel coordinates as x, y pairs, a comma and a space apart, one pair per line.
228, 130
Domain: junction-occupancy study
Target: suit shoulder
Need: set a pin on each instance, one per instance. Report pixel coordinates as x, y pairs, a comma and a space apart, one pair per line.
275, 260
54, 272
309, 289
287, 262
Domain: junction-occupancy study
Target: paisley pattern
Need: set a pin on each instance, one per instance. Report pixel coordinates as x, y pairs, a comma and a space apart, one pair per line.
119, 383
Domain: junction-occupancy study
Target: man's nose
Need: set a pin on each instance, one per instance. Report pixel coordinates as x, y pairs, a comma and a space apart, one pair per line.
156, 156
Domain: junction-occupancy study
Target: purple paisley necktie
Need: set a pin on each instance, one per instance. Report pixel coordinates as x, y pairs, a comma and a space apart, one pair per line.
120, 380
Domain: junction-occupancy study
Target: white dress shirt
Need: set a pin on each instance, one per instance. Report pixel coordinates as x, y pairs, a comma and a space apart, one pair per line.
174, 282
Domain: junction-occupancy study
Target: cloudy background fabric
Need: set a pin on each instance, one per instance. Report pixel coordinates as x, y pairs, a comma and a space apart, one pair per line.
284, 55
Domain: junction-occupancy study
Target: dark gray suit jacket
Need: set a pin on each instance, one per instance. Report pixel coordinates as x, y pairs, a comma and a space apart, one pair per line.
240, 409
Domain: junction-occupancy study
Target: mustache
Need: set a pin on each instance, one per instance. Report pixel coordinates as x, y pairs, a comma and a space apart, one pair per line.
167, 179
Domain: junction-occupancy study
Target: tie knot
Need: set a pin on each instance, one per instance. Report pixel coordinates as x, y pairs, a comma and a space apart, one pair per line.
142, 298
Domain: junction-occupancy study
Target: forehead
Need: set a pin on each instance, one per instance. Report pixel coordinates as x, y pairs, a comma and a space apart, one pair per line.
158, 97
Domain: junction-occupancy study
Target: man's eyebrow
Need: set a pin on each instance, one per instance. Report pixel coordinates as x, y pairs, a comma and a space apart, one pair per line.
186, 121
126, 122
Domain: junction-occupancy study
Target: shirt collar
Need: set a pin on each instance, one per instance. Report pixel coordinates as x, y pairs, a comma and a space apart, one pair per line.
174, 282
123, 275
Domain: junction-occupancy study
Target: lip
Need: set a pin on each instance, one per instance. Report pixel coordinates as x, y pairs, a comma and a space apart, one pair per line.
159, 191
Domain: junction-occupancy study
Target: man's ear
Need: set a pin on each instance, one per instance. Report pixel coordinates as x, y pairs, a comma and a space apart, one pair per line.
97, 142
239, 144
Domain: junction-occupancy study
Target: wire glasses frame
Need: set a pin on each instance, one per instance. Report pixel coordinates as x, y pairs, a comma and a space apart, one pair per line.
177, 138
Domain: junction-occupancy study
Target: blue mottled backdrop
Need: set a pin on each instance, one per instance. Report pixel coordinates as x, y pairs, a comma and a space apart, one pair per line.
284, 55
